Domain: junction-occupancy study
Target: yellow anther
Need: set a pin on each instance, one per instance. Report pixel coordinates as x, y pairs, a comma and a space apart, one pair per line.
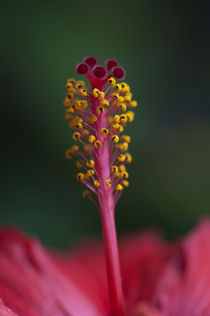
104, 132
71, 80
86, 148
115, 96
125, 183
96, 92
74, 105
124, 146
92, 138
100, 109
83, 92
74, 148
115, 126
90, 164
97, 144
79, 126
117, 174
90, 172
71, 92
105, 102
70, 110
80, 84
116, 118
114, 169
112, 82
76, 136
70, 96
86, 176
79, 164
75, 122
123, 119
83, 104
66, 102
93, 119
80, 177
120, 129
101, 95
115, 138
124, 175
68, 85
125, 138
128, 96
108, 183
68, 117
133, 104
86, 193
124, 87
119, 187
128, 158
130, 116
96, 184
122, 168
121, 158
68, 153
118, 87
123, 107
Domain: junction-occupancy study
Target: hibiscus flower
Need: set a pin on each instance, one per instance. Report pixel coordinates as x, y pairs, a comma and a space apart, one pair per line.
144, 276
158, 279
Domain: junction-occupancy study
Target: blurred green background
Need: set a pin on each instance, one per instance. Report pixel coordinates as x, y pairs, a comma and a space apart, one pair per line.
165, 48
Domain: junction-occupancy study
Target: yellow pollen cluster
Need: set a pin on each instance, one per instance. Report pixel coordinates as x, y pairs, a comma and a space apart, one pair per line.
98, 94
98, 117
104, 131
119, 187
108, 183
115, 138
93, 119
121, 157
96, 184
100, 109
114, 169
79, 164
125, 183
98, 144
90, 164
90, 172
76, 136
86, 193
92, 138
104, 102
80, 177
71, 151
112, 82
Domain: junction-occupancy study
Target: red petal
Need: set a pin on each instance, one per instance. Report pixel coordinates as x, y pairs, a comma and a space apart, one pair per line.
85, 267
143, 257
4, 311
31, 285
184, 288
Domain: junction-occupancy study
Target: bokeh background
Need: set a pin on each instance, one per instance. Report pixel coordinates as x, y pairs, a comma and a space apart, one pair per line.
165, 48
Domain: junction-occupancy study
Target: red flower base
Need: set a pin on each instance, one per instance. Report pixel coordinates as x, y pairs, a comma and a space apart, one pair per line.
158, 279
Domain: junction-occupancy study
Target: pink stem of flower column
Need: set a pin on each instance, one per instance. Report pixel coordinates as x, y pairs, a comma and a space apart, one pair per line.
117, 304
106, 201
